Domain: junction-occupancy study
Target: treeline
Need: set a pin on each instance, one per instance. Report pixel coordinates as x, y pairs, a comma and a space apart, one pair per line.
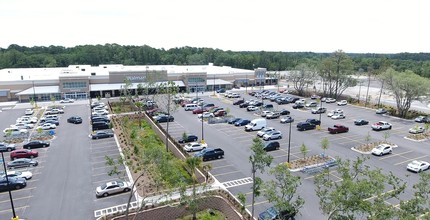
16, 56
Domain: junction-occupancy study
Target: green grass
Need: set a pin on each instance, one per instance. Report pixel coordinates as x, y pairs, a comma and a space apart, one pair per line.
204, 215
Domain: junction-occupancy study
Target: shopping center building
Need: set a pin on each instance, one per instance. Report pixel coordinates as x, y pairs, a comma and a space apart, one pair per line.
84, 81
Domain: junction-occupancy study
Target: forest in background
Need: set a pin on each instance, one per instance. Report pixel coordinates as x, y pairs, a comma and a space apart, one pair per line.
16, 56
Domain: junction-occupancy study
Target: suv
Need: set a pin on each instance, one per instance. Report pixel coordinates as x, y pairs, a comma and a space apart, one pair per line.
268, 106
23, 153
209, 154
274, 145
314, 121
302, 126
100, 125
272, 115
189, 138
75, 120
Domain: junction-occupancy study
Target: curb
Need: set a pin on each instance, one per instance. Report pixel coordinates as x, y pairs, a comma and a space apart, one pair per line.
410, 139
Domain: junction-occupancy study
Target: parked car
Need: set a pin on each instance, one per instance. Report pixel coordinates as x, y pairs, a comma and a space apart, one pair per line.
233, 120
12, 183
238, 102
242, 122
272, 135
67, 101
272, 213
338, 129
302, 126
312, 104
14, 131
100, 119
22, 162
220, 113
418, 166
101, 134
54, 111
220, 90
273, 115
319, 110
422, 119
341, 102
361, 122
188, 138
381, 125
244, 105
23, 153
6, 147
17, 174
54, 122
22, 126
338, 116
29, 111
273, 145
330, 100
382, 149
74, 120
195, 146
333, 112
36, 144
205, 115
268, 106
314, 121
164, 118
210, 154
264, 113
99, 125
298, 105
113, 187
47, 126
264, 131
252, 108
381, 111
417, 130
284, 112
287, 119
315, 96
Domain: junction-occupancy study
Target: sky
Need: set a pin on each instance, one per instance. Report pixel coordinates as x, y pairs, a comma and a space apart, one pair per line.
365, 26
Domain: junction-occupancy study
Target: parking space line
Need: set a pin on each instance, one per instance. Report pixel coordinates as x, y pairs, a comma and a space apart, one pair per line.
9, 210
16, 198
106, 173
116, 149
103, 146
110, 196
23, 189
221, 167
109, 155
222, 174
372, 197
416, 158
96, 168
258, 203
109, 180
394, 155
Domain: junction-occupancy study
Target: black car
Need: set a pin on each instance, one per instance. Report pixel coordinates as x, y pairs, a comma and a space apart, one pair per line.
244, 105
55, 122
101, 134
361, 122
220, 90
14, 183
100, 125
189, 138
251, 93
22, 162
284, 112
99, 119
293, 99
164, 118
274, 145
238, 102
74, 120
258, 104
242, 122
268, 106
282, 101
35, 144
210, 154
314, 121
233, 120
298, 105
6, 147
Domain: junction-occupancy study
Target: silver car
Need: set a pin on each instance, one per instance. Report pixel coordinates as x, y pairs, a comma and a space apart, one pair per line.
272, 135
113, 187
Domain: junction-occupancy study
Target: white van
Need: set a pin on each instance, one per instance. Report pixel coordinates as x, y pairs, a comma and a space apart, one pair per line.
190, 107
256, 124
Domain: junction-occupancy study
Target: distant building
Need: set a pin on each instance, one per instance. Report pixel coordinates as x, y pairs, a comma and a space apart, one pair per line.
84, 81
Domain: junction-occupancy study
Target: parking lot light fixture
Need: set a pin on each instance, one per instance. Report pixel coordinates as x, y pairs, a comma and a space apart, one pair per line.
8, 189
203, 137
289, 144
321, 107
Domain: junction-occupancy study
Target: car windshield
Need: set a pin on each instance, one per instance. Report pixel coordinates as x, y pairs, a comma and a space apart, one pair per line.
104, 186
415, 163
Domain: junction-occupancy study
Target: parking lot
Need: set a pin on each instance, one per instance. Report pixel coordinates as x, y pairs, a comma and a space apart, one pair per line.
64, 182
234, 170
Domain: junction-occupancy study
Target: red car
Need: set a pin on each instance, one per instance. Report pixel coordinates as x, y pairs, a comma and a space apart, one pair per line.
23, 153
199, 110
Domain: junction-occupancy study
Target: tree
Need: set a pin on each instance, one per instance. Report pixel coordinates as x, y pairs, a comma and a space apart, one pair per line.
281, 191
362, 191
325, 144
420, 203
336, 74
406, 87
259, 159
139, 106
242, 199
303, 150
302, 76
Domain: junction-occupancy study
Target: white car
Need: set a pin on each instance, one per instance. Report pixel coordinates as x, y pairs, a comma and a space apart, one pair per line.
29, 111
47, 126
382, 149
342, 102
264, 113
287, 119
22, 126
14, 131
330, 100
312, 104
67, 101
22, 174
252, 108
205, 115
333, 112
338, 116
26, 119
418, 166
417, 130
113, 187
272, 135
99, 112
264, 131
195, 146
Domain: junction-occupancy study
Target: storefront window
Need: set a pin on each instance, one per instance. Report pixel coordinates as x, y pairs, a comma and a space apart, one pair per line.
74, 85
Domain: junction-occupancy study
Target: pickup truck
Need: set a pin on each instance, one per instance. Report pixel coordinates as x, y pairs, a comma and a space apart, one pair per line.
210, 154
338, 129
381, 125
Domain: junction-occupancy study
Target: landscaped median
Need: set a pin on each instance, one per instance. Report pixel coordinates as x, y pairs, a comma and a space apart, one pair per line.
310, 162
419, 137
367, 148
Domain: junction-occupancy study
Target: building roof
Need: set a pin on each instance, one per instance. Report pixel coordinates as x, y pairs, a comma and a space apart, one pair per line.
40, 90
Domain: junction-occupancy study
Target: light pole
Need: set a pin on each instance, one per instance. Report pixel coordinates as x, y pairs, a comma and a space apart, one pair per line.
246, 85
359, 92
320, 110
203, 137
289, 144
214, 84
34, 95
8, 189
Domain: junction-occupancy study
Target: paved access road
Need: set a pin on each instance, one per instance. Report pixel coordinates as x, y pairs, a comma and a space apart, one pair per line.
236, 143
